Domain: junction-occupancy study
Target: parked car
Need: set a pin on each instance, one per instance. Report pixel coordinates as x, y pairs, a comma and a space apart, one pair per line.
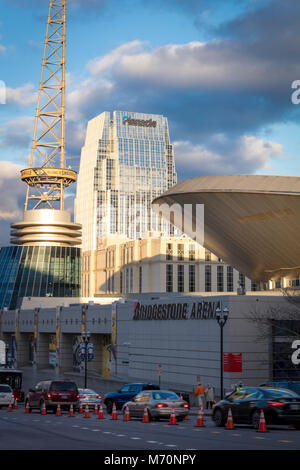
51, 393
6, 395
125, 394
88, 397
159, 403
280, 406
290, 385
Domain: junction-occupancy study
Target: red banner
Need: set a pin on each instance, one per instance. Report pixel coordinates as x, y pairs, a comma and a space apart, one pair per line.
232, 362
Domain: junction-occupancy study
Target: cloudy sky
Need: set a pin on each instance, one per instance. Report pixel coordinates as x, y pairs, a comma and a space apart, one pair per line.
221, 71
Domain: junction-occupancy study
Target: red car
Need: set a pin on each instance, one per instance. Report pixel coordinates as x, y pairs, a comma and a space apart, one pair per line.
51, 393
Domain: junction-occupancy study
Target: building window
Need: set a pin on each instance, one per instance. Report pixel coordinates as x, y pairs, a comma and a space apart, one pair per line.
180, 252
140, 279
242, 280
180, 278
229, 279
121, 282
207, 278
169, 277
131, 280
207, 255
192, 283
192, 252
169, 255
220, 278
254, 286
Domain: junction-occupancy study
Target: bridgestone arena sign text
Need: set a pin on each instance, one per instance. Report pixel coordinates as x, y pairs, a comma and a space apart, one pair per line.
195, 311
140, 122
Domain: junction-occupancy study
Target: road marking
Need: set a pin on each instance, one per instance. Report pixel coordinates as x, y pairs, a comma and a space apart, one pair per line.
151, 442
135, 438
287, 442
170, 445
258, 437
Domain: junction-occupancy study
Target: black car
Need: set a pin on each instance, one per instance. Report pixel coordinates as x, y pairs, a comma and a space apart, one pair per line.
125, 394
280, 406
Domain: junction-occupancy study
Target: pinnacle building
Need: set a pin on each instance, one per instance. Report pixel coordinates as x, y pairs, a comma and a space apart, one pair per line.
126, 162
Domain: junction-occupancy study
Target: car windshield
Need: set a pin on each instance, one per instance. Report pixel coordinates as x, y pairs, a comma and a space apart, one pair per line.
5, 389
165, 396
63, 387
87, 392
277, 393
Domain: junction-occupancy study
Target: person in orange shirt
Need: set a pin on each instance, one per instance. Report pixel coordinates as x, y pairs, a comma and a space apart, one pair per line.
199, 392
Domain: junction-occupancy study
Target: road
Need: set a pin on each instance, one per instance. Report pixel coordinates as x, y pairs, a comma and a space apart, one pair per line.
21, 431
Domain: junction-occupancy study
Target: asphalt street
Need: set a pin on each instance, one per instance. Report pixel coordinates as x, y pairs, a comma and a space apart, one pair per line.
21, 431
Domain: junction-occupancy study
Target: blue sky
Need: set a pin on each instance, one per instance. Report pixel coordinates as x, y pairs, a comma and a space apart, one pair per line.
220, 71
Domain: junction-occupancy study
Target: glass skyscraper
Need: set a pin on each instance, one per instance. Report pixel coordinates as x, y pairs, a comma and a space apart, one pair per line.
127, 161
38, 271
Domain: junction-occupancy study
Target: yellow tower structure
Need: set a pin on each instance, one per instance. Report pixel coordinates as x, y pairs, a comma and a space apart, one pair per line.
45, 222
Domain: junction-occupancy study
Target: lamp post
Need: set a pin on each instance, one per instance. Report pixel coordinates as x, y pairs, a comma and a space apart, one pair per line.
85, 339
221, 316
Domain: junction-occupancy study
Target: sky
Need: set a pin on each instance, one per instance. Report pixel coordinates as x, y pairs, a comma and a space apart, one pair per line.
220, 71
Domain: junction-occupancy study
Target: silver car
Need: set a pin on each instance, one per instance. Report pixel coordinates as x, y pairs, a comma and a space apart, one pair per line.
88, 397
159, 403
6, 395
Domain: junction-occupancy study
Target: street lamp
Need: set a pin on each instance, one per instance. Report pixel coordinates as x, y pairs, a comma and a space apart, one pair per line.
85, 339
221, 316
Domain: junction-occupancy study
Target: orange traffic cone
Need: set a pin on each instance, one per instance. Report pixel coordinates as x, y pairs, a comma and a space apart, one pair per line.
173, 417
71, 412
96, 409
114, 415
229, 424
101, 414
146, 416
200, 418
87, 412
80, 409
27, 408
126, 414
262, 423
44, 411
58, 410
10, 406
16, 404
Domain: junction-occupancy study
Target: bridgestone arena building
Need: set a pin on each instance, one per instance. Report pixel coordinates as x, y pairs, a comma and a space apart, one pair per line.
171, 340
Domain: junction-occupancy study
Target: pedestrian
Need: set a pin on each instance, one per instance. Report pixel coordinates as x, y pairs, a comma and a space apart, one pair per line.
209, 396
199, 393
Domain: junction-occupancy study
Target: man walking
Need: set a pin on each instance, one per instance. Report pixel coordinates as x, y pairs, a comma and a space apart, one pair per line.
199, 392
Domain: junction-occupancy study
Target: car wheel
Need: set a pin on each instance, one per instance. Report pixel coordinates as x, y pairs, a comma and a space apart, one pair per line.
218, 417
255, 419
109, 407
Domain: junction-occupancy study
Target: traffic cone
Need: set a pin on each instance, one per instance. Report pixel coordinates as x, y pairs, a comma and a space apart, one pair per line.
71, 412
262, 423
173, 417
58, 410
101, 414
146, 416
214, 404
10, 406
96, 409
44, 411
16, 404
200, 418
229, 424
126, 414
87, 411
114, 415
27, 408
80, 410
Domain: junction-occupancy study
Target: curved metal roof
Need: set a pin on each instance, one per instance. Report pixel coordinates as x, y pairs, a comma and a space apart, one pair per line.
252, 222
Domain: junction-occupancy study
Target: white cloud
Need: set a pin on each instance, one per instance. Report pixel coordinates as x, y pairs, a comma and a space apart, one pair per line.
22, 96
12, 191
246, 154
